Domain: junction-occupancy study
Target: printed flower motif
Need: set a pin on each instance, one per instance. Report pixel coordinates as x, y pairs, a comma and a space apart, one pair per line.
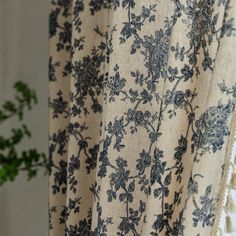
58, 142
159, 224
128, 3
60, 178
156, 52
74, 164
158, 168
139, 117
207, 63
228, 27
228, 90
120, 177
116, 83
149, 93
212, 127
59, 105
144, 161
192, 186
117, 128
130, 115
181, 149
178, 98
205, 214
53, 22
187, 72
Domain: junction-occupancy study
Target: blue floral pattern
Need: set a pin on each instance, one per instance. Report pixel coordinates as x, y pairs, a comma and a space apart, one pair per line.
136, 113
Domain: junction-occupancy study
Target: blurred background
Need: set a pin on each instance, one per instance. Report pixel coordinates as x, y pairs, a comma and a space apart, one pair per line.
24, 56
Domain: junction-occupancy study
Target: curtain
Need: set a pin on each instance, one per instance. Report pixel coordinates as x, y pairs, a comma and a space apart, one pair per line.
142, 115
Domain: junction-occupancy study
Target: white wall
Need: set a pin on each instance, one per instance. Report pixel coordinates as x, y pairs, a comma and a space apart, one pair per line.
23, 56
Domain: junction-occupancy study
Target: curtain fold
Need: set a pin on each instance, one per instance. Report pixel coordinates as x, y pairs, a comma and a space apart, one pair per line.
142, 110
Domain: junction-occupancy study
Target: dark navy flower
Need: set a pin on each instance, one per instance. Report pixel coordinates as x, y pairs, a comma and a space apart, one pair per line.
187, 72
53, 22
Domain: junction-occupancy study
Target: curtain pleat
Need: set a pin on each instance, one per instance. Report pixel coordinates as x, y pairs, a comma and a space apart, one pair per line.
141, 109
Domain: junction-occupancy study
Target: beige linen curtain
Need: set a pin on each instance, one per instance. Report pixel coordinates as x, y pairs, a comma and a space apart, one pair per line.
142, 115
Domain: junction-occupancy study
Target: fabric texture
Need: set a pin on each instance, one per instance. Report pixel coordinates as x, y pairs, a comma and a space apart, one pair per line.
141, 107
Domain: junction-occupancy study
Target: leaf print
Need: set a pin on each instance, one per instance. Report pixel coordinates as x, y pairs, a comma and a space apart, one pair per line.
212, 127
167, 180
205, 214
132, 121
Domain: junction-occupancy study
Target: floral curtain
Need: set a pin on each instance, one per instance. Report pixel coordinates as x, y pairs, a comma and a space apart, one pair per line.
141, 108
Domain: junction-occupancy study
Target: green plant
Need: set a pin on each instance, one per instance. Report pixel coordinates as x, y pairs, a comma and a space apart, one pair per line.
13, 161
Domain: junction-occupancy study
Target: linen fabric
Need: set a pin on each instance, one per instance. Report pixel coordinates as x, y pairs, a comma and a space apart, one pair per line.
141, 108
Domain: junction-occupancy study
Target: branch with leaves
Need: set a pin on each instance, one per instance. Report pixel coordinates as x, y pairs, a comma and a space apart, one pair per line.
12, 161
